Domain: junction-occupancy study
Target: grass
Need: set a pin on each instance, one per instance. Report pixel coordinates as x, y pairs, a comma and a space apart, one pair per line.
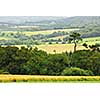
92, 40
4, 38
41, 78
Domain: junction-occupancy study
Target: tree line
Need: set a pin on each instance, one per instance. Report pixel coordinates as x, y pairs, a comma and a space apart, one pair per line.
28, 61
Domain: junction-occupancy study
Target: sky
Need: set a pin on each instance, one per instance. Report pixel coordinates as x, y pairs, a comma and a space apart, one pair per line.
49, 8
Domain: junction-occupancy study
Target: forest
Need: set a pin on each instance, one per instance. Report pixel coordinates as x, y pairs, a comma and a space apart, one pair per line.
28, 61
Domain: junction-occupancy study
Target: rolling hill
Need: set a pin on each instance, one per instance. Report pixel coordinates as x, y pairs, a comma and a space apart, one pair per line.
49, 22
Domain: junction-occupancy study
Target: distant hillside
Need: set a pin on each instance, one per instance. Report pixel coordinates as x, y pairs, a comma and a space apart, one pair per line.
52, 29
47, 22
83, 21
25, 19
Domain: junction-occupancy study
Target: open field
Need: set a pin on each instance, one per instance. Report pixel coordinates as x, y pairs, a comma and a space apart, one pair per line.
58, 47
28, 33
48, 31
38, 78
3, 38
92, 40
67, 47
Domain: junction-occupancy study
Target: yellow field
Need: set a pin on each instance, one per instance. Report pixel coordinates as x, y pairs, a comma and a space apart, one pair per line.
58, 47
41, 78
47, 31
3, 38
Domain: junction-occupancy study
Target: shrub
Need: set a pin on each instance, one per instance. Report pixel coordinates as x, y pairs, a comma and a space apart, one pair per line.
3, 72
76, 72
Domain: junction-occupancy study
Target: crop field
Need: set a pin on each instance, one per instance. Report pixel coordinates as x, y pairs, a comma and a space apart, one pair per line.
41, 78
56, 48
47, 31
59, 48
40, 32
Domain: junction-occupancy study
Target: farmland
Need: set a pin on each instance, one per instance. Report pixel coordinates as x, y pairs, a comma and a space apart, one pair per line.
45, 46
59, 48
48, 31
28, 33
37, 78
49, 51
33, 37
67, 47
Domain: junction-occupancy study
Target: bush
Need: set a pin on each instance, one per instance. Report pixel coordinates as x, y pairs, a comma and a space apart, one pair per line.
3, 72
76, 72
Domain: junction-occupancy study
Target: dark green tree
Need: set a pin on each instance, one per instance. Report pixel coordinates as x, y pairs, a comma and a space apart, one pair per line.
75, 38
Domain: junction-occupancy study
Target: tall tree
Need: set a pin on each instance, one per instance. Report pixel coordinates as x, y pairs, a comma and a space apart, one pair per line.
75, 38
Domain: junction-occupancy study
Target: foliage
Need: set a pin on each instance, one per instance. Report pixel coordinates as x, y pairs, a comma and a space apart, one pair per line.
75, 37
76, 72
30, 61
87, 59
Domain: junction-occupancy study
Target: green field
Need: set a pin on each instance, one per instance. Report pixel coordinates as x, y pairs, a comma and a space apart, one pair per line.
92, 40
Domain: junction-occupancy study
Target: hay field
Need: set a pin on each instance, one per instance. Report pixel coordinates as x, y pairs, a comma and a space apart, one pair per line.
42, 78
59, 48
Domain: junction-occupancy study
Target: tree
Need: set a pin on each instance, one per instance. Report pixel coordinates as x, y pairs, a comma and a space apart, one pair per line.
95, 47
75, 37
